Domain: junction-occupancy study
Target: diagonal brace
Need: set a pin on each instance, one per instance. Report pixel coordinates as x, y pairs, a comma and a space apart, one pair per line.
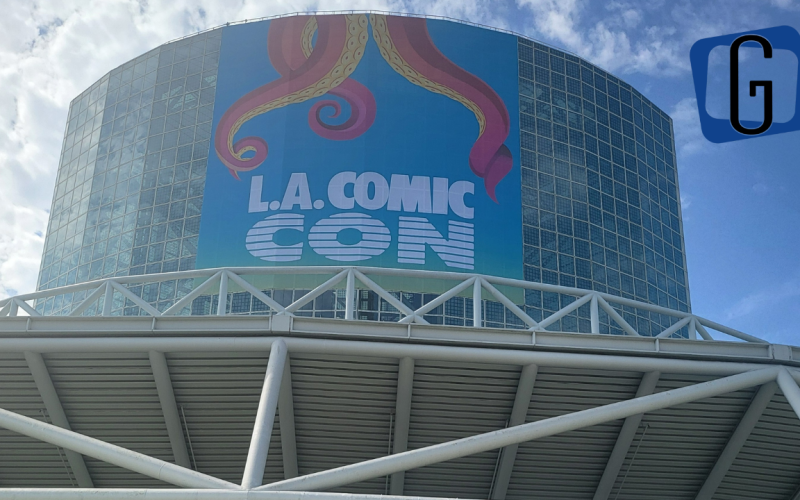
47, 390
405, 386
624, 440
265, 417
527, 432
166, 396
519, 411
113, 454
737, 440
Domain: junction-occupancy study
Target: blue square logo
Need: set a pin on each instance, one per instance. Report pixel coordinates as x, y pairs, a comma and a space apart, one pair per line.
719, 130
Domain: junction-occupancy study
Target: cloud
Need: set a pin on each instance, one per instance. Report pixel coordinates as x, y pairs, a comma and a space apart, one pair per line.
786, 4
686, 202
618, 40
51, 50
651, 38
772, 298
686, 123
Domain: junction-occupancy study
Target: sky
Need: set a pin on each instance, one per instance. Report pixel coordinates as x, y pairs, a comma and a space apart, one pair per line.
740, 203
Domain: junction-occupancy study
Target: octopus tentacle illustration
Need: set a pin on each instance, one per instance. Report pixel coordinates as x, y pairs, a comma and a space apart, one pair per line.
336, 54
358, 97
309, 70
405, 43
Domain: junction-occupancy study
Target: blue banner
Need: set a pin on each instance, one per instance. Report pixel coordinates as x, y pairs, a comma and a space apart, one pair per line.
365, 140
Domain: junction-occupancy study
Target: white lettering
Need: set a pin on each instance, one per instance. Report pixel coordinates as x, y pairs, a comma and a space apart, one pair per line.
361, 191
440, 195
324, 237
417, 232
256, 205
336, 190
410, 196
458, 190
260, 239
297, 193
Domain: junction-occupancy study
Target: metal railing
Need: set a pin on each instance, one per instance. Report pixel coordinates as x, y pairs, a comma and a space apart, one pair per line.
381, 12
97, 298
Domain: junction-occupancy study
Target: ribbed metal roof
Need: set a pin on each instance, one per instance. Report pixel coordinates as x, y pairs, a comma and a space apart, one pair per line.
344, 409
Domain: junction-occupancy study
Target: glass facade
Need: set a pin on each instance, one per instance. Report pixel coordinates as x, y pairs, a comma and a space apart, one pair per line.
601, 208
130, 183
600, 201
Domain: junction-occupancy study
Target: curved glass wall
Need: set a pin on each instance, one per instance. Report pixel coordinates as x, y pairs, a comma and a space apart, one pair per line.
600, 200
601, 208
130, 182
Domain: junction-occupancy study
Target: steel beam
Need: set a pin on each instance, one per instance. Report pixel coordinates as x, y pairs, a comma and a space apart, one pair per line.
477, 304
265, 417
350, 296
315, 270
116, 455
534, 430
53, 405
286, 416
222, 298
405, 385
519, 412
737, 440
499, 353
790, 390
624, 440
169, 407
182, 494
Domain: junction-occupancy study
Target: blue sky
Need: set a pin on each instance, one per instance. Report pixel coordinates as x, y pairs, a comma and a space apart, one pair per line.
740, 200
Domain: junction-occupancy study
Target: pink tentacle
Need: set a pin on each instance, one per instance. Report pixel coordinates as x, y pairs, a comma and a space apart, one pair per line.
489, 158
331, 38
362, 112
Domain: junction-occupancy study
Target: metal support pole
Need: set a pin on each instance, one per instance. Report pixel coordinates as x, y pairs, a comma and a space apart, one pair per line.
624, 440
182, 494
108, 299
737, 440
477, 304
116, 455
405, 385
518, 414
350, 296
222, 302
286, 416
53, 405
595, 314
526, 432
169, 407
495, 353
790, 390
265, 417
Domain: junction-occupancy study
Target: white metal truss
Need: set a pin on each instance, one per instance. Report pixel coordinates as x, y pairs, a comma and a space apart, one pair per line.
718, 368
221, 281
736, 376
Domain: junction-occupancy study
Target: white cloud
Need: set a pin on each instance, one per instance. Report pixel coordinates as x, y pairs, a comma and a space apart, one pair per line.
786, 4
686, 122
51, 50
686, 202
774, 298
620, 40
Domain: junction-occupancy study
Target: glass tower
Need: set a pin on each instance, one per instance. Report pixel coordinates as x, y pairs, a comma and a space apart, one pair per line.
601, 208
600, 201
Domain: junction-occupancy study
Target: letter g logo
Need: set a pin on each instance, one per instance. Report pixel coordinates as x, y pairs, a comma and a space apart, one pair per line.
767, 84
720, 130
